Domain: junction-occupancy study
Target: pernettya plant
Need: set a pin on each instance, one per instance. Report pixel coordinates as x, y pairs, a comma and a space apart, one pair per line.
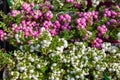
62, 40
93, 27
76, 63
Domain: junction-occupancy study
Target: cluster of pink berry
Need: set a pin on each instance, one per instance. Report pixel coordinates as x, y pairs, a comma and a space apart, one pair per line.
86, 18
68, 1
65, 20
33, 19
102, 30
97, 43
14, 13
109, 13
2, 35
48, 15
58, 25
48, 25
28, 28
81, 22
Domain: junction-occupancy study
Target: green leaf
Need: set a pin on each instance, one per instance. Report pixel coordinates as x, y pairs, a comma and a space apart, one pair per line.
43, 69
9, 3
105, 76
55, 58
36, 7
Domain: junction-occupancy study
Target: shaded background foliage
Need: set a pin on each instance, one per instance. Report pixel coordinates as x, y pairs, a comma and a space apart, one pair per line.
4, 6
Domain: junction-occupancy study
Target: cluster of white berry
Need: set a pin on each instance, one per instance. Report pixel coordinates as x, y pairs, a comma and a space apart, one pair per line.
74, 63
